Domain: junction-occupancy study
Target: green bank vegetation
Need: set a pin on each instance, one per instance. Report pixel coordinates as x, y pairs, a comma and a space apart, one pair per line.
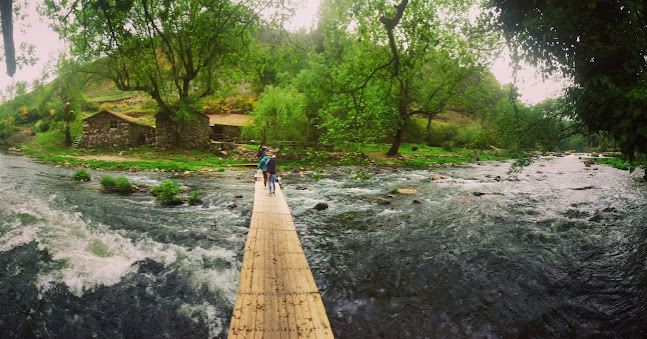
403, 85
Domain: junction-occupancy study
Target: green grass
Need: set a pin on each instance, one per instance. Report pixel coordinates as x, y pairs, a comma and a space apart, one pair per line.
615, 163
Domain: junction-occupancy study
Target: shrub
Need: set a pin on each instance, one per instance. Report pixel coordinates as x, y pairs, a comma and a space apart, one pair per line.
82, 175
108, 182
167, 192
42, 125
448, 146
123, 185
194, 199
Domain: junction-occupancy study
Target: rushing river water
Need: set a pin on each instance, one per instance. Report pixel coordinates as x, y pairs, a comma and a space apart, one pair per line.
561, 252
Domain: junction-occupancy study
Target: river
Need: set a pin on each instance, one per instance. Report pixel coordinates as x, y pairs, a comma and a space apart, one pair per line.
559, 252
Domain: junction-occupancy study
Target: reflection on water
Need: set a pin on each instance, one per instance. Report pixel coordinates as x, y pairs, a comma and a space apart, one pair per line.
559, 252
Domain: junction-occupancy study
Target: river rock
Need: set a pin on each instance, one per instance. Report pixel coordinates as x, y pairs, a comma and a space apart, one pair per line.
186, 173
436, 177
407, 191
232, 206
416, 201
295, 170
321, 206
383, 201
238, 196
302, 187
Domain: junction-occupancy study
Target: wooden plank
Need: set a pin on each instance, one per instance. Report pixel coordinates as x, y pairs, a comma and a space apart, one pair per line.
277, 295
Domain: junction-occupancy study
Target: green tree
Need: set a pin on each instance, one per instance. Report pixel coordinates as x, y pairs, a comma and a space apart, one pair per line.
173, 50
279, 115
400, 46
601, 46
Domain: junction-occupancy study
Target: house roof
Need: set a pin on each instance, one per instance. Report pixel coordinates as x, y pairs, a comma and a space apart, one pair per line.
123, 117
229, 119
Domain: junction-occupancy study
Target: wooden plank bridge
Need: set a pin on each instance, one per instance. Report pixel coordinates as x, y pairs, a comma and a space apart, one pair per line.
277, 295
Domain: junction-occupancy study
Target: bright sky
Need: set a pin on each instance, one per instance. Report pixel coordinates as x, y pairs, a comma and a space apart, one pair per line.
532, 88
47, 44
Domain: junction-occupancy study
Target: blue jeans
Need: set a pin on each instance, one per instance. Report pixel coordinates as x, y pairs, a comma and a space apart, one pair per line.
272, 183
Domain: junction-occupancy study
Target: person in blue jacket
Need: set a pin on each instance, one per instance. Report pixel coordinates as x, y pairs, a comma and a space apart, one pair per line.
262, 165
271, 171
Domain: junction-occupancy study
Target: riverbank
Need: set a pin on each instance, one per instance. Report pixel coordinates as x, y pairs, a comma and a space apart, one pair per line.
48, 147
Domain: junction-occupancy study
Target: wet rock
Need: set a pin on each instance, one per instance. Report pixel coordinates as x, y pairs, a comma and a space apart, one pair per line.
583, 188
321, 206
232, 206
238, 196
302, 187
383, 201
149, 266
436, 177
478, 194
407, 191
416, 202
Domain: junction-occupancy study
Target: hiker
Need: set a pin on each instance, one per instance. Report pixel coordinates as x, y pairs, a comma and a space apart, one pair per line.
261, 151
271, 171
262, 165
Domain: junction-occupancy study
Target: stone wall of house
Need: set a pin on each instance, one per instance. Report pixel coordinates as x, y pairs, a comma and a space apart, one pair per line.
232, 132
97, 132
191, 135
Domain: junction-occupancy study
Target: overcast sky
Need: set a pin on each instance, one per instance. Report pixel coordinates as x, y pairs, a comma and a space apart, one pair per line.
532, 88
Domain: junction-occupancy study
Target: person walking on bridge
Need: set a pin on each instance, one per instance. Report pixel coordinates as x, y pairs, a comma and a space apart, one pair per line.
262, 165
271, 171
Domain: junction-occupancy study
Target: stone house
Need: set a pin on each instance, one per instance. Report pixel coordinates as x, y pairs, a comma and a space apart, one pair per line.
192, 133
110, 129
228, 126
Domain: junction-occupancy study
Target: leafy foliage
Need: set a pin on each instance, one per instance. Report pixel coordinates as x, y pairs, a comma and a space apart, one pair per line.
279, 115
601, 45
82, 175
194, 198
123, 185
167, 192
108, 182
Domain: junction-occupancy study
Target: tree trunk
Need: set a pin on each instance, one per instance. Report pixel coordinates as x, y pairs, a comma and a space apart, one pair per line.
395, 146
6, 12
68, 136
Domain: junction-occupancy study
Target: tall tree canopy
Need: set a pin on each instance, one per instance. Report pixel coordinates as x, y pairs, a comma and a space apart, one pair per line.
173, 50
406, 49
602, 46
